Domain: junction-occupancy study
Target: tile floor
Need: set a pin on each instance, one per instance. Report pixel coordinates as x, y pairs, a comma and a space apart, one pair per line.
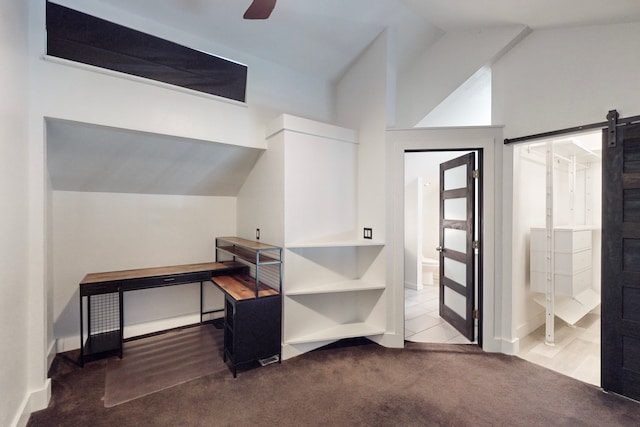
575, 353
422, 322
576, 349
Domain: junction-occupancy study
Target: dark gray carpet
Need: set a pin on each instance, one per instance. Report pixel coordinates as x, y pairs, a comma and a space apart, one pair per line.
359, 385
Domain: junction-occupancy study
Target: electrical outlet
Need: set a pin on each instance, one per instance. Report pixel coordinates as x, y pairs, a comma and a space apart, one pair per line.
257, 234
368, 233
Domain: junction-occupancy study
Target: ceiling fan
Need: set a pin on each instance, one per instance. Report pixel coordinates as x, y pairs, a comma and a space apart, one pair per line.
260, 9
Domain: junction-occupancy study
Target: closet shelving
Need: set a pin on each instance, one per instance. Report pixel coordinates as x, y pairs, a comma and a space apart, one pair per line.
561, 255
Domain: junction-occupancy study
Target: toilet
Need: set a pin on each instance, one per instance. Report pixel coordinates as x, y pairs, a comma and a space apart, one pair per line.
430, 273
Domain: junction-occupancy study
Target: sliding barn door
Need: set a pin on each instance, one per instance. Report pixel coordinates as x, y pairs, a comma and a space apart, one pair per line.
457, 222
621, 262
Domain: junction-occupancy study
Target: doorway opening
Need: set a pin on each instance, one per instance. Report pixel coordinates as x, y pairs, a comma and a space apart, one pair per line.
442, 262
557, 233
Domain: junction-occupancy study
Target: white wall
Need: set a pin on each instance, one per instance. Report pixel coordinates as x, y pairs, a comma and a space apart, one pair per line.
362, 97
468, 105
365, 101
83, 94
528, 211
96, 232
561, 78
14, 262
446, 65
413, 226
556, 79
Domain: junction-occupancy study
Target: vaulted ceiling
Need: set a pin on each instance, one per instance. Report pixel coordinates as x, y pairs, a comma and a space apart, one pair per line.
323, 37
315, 37
85, 157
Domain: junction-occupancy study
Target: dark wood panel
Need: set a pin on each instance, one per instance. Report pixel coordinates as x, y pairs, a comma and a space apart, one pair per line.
454, 224
612, 202
630, 303
458, 193
629, 328
631, 354
455, 255
155, 272
454, 286
632, 153
631, 230
630, 279
631, 255
466, 325
621, 263
631, 180
83, 38
241, 287
631, 205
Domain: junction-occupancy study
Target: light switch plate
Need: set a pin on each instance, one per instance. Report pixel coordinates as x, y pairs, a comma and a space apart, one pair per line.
368, 233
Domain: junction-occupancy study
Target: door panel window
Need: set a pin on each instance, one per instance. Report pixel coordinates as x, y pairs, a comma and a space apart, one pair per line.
455, 209
455, 240
455, 302
455, 178
455, 271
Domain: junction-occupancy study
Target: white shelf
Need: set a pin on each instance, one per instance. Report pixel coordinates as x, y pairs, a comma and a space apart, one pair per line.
349, 330
334, 243
571, 310
343, 286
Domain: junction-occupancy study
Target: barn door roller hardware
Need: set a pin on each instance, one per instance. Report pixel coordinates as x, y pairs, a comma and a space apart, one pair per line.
612, 121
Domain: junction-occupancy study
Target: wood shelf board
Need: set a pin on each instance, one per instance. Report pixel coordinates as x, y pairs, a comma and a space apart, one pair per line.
249, 256
349, 330
154, 271
242, 287
249, 244
343, 286
571, 310
334, 244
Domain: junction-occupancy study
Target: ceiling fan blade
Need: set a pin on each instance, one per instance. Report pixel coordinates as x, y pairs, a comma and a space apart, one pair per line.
260, 9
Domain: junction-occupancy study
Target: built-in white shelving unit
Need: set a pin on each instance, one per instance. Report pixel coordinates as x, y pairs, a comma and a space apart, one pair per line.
335, 244
344, 286
348, 330
306, 188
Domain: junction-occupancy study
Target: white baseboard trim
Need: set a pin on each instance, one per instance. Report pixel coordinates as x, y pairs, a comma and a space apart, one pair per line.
390, 340
292, 350
531, 325
22, 416
511, 347
73, 342
500, 345
35, 401
51, 353
412, 285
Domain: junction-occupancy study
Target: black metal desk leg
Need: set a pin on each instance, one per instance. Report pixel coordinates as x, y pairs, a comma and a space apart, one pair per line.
121, 309
81, 358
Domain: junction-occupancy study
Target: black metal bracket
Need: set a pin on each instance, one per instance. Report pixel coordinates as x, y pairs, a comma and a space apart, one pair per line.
612, 122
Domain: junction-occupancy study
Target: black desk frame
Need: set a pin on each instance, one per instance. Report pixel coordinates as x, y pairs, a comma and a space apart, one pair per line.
104, 344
